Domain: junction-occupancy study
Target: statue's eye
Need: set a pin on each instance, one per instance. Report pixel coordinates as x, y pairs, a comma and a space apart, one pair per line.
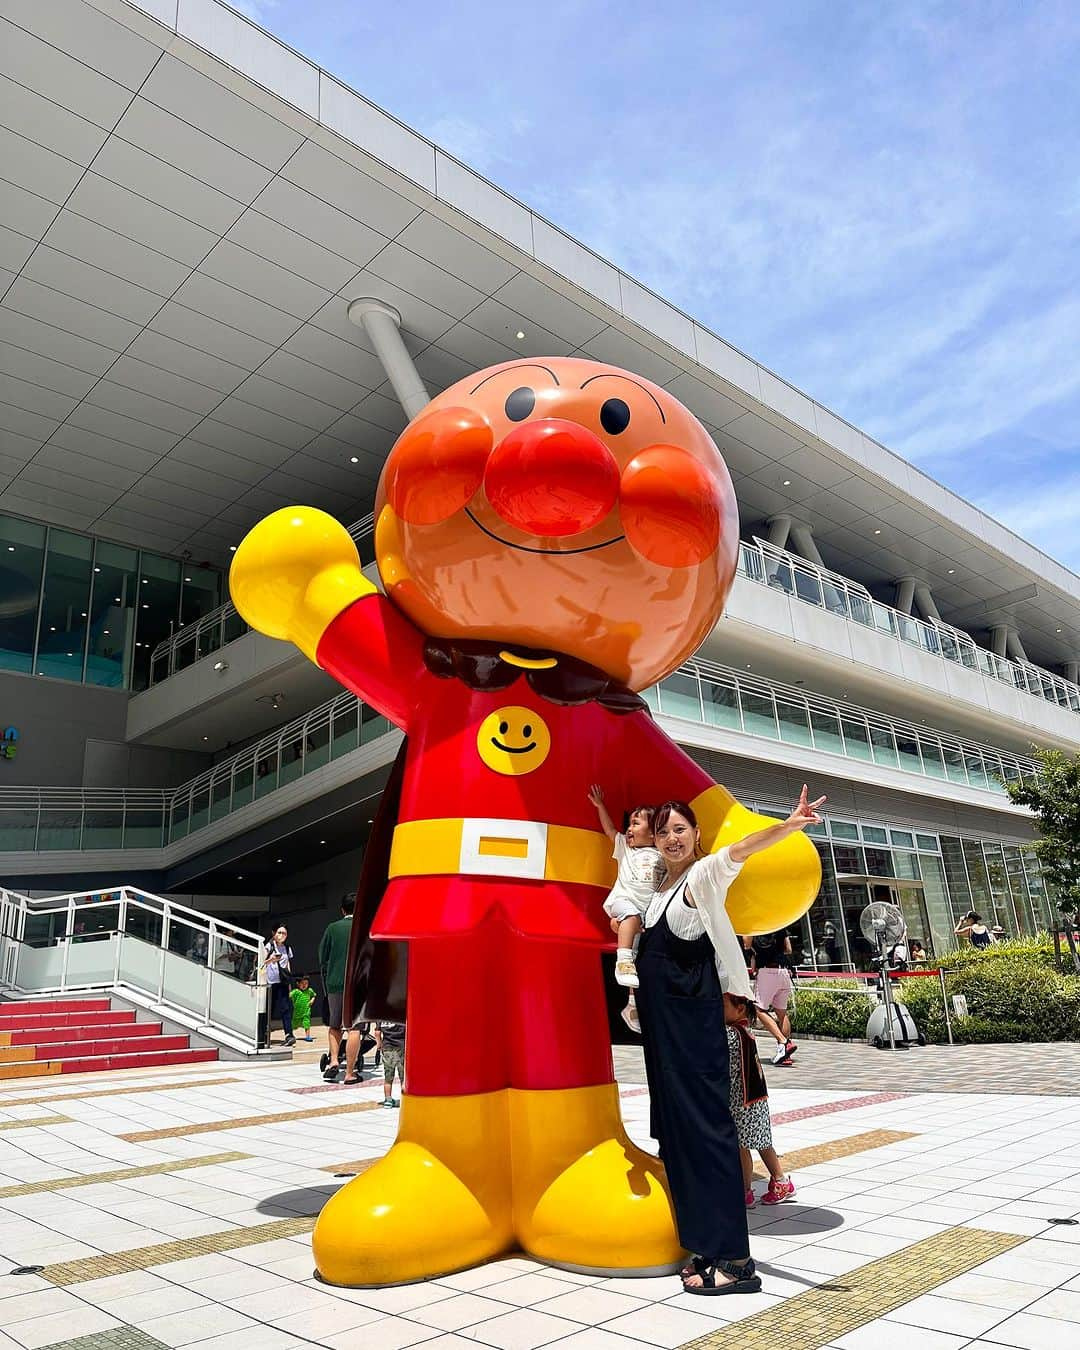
614, 416
526, 731
504, 727
520, 404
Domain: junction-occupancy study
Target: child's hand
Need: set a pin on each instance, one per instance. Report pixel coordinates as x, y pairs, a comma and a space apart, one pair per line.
596, 795
615, 925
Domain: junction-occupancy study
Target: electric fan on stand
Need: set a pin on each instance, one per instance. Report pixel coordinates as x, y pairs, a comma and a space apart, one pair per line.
889, 1023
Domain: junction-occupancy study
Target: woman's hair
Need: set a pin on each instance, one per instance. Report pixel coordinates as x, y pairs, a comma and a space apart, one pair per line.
649, 812
975, 917
664, 812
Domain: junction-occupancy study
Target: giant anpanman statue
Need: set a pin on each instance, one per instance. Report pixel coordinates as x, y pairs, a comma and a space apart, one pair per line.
553, 536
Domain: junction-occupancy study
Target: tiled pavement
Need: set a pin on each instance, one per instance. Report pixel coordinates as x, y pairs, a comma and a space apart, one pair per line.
850, 1066
922, 1219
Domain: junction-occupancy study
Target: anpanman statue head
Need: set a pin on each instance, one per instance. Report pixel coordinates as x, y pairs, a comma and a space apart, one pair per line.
561, 505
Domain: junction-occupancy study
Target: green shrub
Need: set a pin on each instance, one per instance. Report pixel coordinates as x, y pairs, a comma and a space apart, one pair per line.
1013, 993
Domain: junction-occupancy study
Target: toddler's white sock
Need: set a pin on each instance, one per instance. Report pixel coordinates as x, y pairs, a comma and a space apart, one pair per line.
625, 954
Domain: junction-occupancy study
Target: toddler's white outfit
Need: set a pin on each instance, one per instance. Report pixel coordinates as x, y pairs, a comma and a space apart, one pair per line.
641, 870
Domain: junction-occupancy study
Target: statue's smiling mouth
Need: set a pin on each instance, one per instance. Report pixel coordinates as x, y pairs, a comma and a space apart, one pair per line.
513, 749
546, 552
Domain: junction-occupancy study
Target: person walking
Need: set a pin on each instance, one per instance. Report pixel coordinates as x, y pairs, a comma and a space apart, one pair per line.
972, 927
390, 1038
688, 959
770, 968
333, 958
277, 960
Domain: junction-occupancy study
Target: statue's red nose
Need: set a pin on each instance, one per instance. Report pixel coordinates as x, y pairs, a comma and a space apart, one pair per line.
551, 477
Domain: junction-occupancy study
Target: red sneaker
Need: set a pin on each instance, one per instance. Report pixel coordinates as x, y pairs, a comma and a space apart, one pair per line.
779, 1191
750, 1197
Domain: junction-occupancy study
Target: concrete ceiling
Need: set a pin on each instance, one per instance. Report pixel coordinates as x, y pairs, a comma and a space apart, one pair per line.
177, 250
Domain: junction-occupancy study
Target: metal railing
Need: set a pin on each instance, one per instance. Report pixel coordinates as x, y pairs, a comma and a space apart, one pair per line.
126, 940
51, 819
802, 580
715, 695
191, 642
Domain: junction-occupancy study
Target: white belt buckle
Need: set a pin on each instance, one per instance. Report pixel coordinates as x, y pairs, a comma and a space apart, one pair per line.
504, 848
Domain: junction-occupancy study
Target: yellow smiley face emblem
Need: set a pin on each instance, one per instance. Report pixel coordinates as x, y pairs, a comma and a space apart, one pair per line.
513, 740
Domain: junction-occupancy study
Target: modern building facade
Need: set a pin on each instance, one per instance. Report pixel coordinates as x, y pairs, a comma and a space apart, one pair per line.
189, 210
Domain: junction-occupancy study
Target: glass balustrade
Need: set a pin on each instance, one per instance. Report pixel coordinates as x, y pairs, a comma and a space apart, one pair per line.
54, 819
767, 565
194, 641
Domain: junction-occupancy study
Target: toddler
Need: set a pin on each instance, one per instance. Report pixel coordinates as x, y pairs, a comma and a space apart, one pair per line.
750, 1104
641, 871
302, 999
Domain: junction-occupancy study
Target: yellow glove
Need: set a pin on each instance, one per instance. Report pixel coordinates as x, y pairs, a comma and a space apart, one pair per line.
776, 886
294, 573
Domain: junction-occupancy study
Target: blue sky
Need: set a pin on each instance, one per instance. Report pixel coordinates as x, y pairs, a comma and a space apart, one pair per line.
881, 202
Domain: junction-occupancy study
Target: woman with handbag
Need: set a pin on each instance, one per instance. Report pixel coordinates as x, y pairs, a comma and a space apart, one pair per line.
278, 962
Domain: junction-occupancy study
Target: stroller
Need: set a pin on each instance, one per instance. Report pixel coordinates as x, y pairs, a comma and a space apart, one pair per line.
331, 1072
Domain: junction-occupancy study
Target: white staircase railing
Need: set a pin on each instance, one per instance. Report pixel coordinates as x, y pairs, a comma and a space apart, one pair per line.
160, 954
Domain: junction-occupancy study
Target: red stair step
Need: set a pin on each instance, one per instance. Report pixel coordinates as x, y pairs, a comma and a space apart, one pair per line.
113, 1030
93, 1049
30, 1021
51, 1005
96, 1064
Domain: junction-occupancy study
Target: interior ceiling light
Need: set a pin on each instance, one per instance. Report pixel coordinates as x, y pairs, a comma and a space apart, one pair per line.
520, 335
97, 569
354, 459
232, 548
206, 738
11, 548
787, 482
187, 578
877, 531
951, 570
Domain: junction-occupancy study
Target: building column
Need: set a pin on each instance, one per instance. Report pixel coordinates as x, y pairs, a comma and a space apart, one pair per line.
802, 536
382, 324
1072, 671
925, 602
779, 528
905, 594
1005, 641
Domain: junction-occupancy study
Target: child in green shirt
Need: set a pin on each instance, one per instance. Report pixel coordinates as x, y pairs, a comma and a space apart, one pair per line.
302, 1000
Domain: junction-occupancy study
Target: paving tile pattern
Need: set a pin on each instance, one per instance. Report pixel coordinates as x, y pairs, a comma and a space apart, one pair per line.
822, 1315
117, 1174
115, 1091
66, 1273
245, 1122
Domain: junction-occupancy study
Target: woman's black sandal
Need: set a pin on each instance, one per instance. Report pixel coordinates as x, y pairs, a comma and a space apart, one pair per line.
744, 1278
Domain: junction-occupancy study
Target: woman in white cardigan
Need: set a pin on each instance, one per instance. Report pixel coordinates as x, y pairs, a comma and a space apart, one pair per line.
688, 959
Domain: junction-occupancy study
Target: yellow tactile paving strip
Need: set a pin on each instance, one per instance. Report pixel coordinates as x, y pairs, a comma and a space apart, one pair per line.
353, 1168
38, 1068
31, 1122
797, 1158
142, 1258
824, 1314
244, 1123
119, 1174
112, 1092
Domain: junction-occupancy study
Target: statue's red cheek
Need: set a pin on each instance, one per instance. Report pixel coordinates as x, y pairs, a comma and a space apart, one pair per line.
437, 465
672, 507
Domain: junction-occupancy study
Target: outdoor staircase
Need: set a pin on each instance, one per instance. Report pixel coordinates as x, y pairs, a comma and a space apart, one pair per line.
84, 1035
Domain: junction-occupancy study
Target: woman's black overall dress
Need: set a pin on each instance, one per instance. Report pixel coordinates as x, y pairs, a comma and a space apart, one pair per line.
681, 1008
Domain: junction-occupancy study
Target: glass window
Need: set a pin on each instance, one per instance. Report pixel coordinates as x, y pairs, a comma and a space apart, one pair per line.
157, 608
112, 614
857, 738
903, 839
243, 790
22, 549
680, 697
928, 843
65, 606
346, 727
875, 834
978, 876
826, 726
861, 610
843, 829
976, 770
794, 722
200, 592
721, 704
836, 600
883, 618
759, 714
959, 889
879, 862
103, 828
780, 576
849, 860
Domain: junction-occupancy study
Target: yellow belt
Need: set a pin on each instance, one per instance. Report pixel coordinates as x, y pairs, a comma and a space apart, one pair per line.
501, 848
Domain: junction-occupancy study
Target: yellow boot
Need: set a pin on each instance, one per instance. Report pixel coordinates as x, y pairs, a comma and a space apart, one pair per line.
585, 1196
439, 1201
